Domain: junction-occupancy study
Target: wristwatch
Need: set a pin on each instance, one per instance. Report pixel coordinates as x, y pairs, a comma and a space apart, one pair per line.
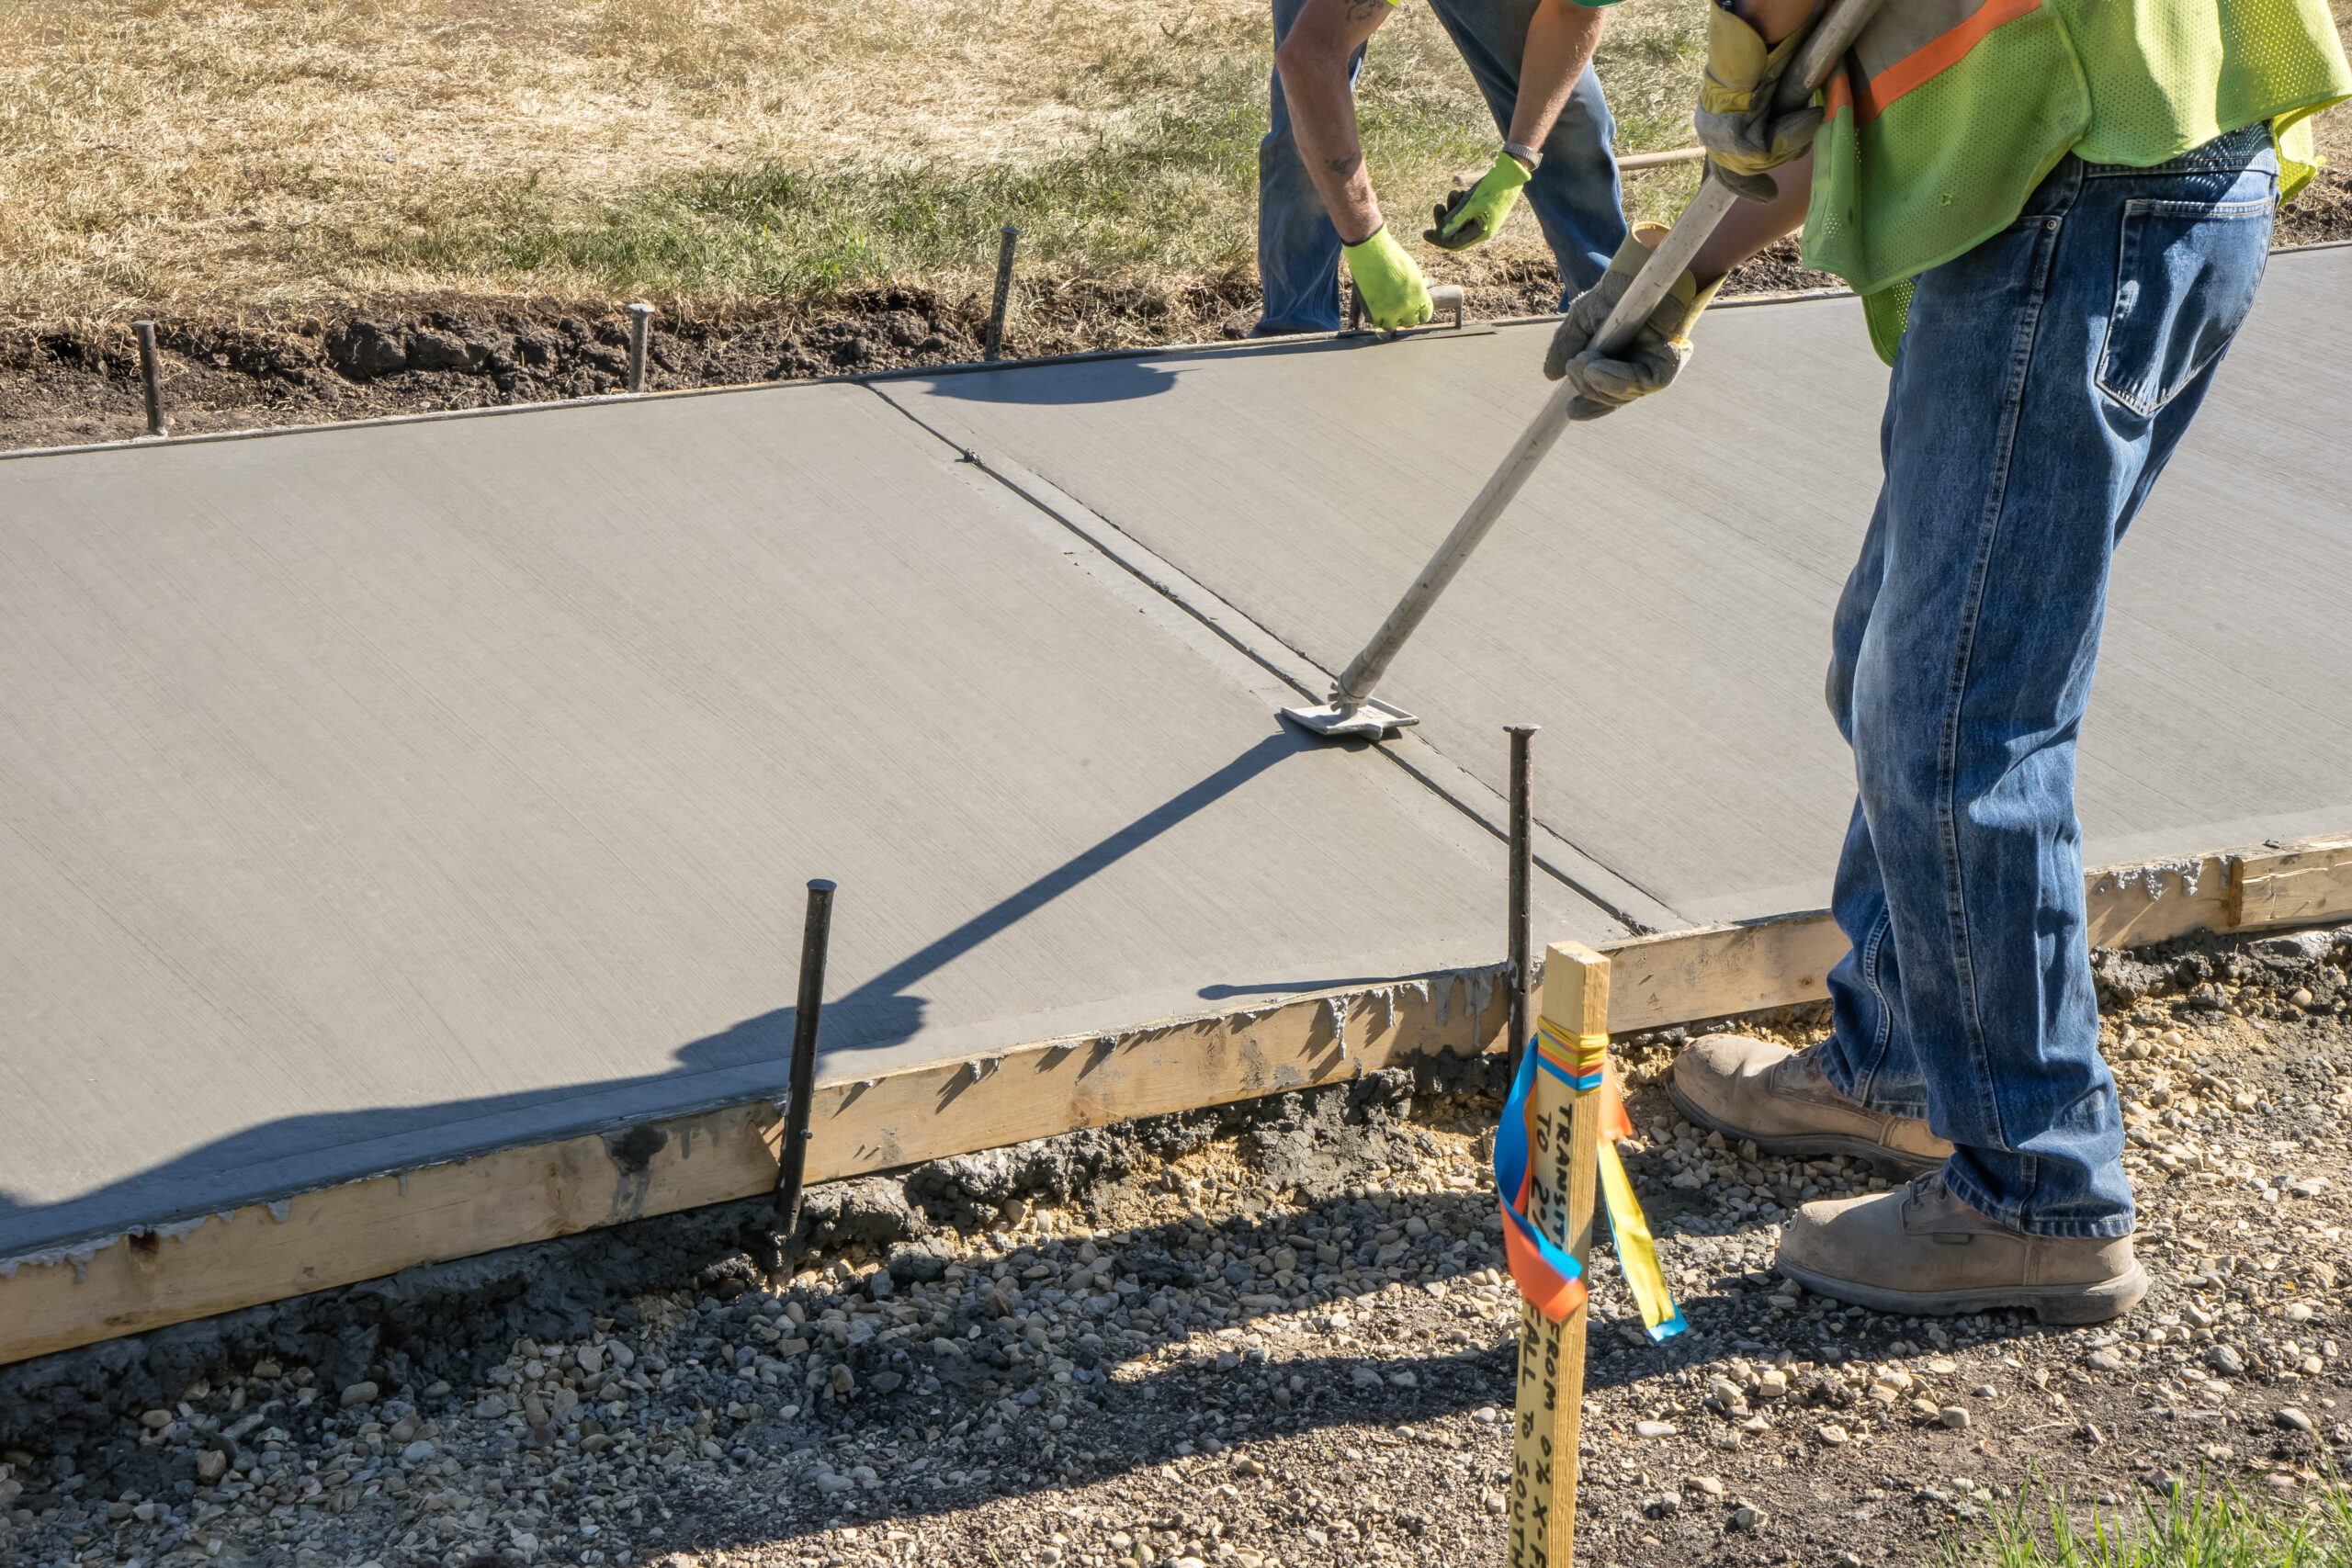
1524, 154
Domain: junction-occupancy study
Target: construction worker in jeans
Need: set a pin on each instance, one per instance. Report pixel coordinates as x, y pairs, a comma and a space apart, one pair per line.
1533, 61
2056, 213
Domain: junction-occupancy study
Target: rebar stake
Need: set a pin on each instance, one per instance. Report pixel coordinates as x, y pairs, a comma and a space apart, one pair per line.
1009, 237
151, 376
815, 932
1522, 879
640, 325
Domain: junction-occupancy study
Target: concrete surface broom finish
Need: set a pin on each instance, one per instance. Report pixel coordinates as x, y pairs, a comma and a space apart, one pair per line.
1662, 590
383, 796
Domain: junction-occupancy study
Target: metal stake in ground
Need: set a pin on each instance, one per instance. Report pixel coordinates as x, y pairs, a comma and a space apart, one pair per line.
151, 376
1007, 238
1351, 710
1523, 866
814, 934
640, 325
1564, 1155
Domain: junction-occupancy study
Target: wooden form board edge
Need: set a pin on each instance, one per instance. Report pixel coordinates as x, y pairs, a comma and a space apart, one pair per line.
146, 1279
363, 1230
1721, 971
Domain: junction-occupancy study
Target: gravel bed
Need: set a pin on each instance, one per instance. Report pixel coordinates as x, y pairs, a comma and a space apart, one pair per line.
1280, 1336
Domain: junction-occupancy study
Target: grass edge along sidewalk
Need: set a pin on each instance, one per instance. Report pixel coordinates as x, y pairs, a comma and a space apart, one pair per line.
2207, 1525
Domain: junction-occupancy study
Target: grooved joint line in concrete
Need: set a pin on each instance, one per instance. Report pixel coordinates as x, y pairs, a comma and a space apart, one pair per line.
1642, 911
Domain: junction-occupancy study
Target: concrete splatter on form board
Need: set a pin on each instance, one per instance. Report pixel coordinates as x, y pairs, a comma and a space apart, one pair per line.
2152, 877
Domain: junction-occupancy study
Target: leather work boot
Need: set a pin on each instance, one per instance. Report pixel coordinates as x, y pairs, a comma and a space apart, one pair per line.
1750, 1089
1920, 1251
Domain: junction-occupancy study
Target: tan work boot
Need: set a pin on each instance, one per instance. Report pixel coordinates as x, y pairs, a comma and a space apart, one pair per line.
1750, 1089
1921, 1251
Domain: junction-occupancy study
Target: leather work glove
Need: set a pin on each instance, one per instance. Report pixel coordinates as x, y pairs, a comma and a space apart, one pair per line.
1395, 293
1602, 384
1744, 135
1473, 216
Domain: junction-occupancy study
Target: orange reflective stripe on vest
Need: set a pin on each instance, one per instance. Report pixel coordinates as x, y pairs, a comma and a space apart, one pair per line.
1946, 114
1906, 45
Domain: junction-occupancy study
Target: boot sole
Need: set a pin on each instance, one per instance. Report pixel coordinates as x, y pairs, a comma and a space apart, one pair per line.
1887, 1162
2070, 1305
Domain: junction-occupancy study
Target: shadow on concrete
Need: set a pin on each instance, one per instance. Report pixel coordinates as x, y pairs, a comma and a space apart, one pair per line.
1112, 377
1099, 381
741, 1062
1280, 988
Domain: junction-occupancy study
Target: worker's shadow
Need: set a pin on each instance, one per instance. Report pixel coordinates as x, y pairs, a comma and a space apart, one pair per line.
1115, 377
747, 1061
1088, 381
884, 1010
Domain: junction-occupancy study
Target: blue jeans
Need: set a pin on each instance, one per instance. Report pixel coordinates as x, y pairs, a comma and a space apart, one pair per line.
2045, 378
1574, 194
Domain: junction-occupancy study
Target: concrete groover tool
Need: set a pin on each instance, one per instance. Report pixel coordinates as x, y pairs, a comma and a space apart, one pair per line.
1353, 711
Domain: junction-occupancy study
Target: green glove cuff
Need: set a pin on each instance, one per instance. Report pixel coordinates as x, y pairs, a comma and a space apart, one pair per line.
1394, 295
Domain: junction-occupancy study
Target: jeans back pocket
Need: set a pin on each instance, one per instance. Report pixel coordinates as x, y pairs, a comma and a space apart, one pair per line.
2185, 276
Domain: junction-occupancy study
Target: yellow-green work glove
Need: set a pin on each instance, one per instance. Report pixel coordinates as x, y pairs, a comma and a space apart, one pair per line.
1472, 215
1744, 135
1395, 294
1604, 386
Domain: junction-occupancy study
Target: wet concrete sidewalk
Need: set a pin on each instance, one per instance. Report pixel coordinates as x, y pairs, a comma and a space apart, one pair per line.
383, 794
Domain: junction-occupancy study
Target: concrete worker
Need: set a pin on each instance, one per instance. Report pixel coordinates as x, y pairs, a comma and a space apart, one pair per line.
1533, 59
2056, 212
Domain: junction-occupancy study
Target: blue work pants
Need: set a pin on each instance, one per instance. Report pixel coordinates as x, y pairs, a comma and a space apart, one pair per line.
2046, 378
1574, 194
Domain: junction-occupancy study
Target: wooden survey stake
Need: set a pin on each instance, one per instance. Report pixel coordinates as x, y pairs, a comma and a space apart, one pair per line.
1562, 1155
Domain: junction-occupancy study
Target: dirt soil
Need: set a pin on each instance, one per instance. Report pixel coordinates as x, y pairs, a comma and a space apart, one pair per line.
67, 383
1272, 1336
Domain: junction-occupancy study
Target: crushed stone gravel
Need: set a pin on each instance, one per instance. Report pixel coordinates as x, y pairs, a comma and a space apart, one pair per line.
1275, 1337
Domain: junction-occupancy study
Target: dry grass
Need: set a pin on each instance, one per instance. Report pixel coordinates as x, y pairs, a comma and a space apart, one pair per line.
268, 154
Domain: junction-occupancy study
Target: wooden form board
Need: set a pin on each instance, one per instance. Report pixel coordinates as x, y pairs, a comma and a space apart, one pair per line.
2305, 884
1718, 971
363, 1230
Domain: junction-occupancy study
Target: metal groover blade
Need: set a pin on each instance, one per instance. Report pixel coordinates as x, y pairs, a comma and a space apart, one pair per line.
1370, 720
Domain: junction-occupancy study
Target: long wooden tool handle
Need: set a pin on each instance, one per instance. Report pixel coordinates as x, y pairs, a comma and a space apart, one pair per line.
1819, 54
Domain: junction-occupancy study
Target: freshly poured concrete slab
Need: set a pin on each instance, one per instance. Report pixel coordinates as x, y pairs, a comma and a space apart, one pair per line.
1659, 598
371, 797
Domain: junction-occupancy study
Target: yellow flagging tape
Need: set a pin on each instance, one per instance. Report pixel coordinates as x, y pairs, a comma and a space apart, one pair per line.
1636, 1248
1547, 1275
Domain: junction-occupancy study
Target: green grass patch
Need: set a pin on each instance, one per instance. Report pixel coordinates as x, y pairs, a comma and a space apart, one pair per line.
1176, 194
2208, 1528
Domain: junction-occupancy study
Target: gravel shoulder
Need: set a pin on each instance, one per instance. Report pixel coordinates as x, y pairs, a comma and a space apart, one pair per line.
1273, 1334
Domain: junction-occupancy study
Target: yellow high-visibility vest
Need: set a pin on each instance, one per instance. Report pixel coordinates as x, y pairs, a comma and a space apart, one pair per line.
1947, 114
